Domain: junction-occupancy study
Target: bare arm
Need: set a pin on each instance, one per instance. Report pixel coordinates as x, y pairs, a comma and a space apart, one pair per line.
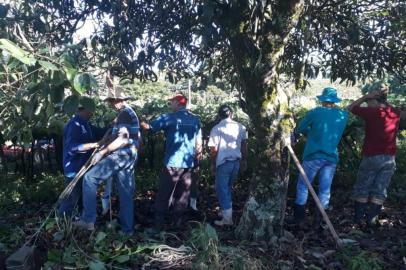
145, 126
199, 147
88, 146
121, 140
373, 94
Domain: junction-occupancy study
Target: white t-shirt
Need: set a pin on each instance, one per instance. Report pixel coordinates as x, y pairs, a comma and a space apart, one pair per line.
226, 137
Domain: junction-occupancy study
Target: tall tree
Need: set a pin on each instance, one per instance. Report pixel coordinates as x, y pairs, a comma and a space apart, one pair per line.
252, 42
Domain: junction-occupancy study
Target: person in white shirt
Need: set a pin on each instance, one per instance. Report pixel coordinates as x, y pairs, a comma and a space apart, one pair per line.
228, 149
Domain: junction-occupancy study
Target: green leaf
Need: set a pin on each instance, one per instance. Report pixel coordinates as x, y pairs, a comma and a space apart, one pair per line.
50, 224
70, 73
71, 104
48, 65
15, 51
57, 94
54, 255
96, 265
68, 60
58, 77
122, 258
84, 82
100, 237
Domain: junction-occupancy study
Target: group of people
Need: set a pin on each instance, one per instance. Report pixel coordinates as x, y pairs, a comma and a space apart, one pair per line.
116, 155
324, 127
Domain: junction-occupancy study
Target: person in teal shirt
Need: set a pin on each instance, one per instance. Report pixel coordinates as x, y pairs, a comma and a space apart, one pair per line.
323, 128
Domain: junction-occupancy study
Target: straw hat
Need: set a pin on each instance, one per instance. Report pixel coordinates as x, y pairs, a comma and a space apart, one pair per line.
116, 92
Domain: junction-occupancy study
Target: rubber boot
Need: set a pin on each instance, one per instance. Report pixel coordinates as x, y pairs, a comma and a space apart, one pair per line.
193, 204
299, 214
359, 212
317, 218
227, 219
157, 226
373, 213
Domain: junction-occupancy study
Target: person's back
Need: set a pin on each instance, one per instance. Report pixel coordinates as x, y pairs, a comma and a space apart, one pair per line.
381, 126
230, 135
181, 130
323, 127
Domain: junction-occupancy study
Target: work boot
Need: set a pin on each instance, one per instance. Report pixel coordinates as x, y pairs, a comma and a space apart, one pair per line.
227, 218
373, 213
359, 212
178, 220
317, 218
193, 204
299, 214
157, 226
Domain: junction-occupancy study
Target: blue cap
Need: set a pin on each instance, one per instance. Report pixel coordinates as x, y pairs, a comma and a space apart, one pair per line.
329, 95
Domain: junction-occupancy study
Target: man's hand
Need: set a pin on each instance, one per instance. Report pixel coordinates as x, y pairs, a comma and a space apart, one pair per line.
144, 126
94, 145
373, 94
97, 157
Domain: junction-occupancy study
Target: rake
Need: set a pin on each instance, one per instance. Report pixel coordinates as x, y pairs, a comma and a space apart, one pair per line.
69, 188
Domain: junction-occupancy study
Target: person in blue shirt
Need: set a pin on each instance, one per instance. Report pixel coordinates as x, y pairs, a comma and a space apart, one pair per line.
79, 137
323, 128
182, 131
116, 159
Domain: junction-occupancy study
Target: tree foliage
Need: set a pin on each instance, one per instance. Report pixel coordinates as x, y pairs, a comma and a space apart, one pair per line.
251, 43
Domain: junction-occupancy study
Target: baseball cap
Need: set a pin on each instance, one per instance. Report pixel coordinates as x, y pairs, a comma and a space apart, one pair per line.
181, 99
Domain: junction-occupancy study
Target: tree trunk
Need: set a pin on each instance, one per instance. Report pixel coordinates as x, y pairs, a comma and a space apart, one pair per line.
256, 62
263, 213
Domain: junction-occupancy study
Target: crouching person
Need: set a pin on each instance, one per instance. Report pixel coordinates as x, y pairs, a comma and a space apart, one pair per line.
378, 154
323, 128
117, 160
228, 148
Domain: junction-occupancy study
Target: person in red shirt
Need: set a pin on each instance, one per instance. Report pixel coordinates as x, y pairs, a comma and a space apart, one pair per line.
378, 153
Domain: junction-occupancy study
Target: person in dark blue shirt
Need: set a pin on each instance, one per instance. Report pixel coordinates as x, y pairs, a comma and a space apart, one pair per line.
183, 135
116, 159
79, 137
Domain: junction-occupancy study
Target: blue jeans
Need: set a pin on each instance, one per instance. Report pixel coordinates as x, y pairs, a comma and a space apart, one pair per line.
326, 170
121, 168
226, 174
67, 205
105, 198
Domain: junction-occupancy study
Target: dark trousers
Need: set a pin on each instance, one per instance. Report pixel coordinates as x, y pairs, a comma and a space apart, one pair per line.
174, 191
68, 204
194, 189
